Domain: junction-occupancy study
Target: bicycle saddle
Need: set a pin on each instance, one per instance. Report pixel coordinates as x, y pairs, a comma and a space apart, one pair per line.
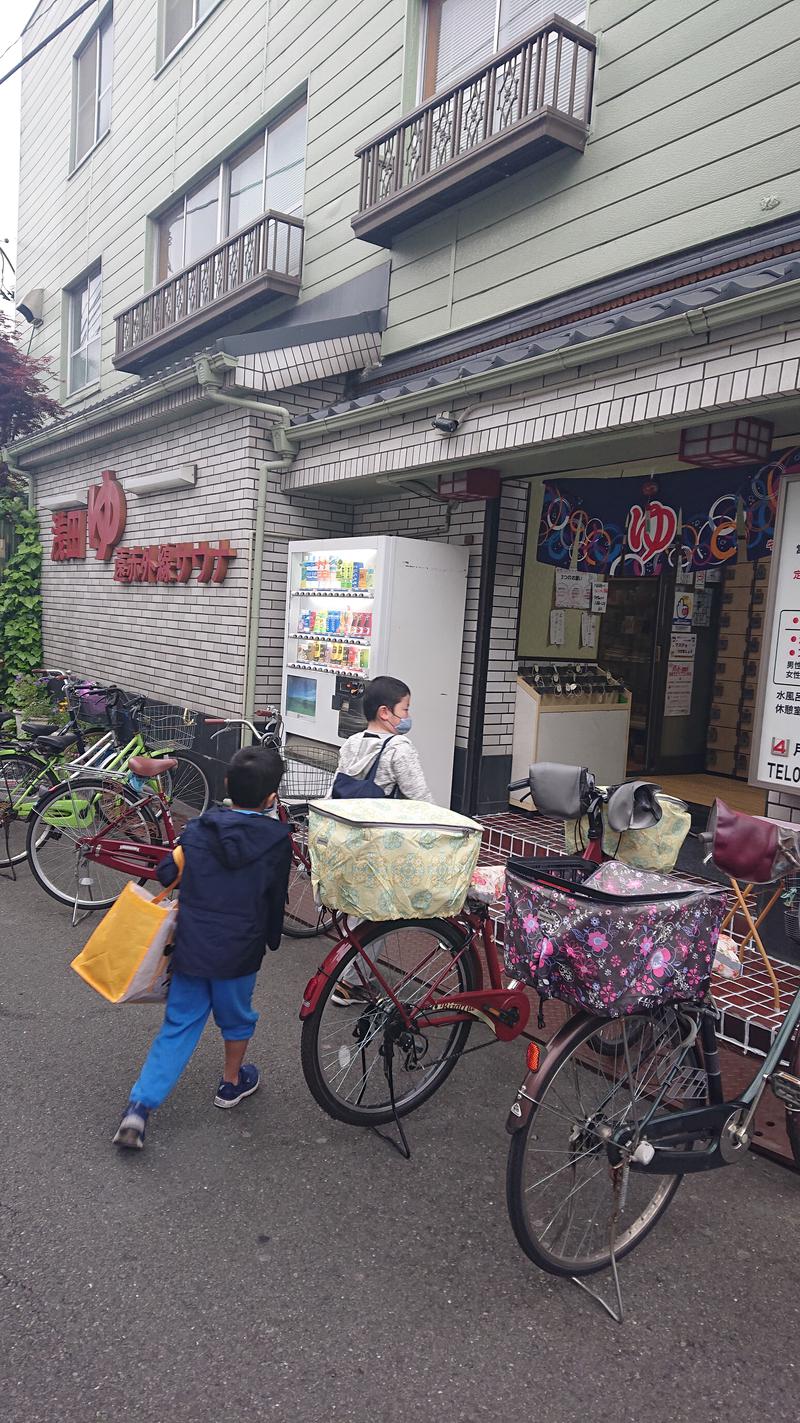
148, 766
38, 728
59, 741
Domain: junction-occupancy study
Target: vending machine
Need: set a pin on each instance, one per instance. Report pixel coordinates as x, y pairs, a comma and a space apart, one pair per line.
357, 609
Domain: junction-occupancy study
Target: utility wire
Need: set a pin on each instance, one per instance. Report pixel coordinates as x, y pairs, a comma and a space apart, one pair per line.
42, 43
40, 16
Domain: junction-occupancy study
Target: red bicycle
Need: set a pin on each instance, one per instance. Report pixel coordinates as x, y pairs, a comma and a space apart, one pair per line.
309, 770
415, 988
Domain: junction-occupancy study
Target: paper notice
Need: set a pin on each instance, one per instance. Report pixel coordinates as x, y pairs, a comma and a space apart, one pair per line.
573, 590
599, 597
557, 627
588, 630
682, 646
678, 698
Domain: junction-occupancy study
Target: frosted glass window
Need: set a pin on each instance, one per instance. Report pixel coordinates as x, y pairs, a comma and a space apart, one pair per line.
246, 200
92, 90
461, 35
286, 152
84, 333
179, 18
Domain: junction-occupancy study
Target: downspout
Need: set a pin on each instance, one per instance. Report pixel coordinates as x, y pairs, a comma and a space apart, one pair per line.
480, 671
210, 381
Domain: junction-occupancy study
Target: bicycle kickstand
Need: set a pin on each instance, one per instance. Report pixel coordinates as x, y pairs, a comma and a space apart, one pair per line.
618, 1316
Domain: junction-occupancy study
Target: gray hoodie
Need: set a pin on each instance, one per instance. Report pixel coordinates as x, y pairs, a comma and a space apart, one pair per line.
400, 764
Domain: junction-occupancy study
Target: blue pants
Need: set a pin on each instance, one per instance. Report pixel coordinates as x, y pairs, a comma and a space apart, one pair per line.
189, 1002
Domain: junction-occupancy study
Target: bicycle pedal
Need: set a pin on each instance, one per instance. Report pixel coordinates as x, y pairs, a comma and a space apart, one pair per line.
787, 1089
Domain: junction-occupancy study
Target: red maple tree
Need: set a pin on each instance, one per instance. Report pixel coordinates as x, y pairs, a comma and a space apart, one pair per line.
25, 401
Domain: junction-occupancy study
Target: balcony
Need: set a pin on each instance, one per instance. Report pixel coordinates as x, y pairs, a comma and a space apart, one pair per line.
530, 100
262, 262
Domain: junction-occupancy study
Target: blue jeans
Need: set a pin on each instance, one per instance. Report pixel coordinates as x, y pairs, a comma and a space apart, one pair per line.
189, 1002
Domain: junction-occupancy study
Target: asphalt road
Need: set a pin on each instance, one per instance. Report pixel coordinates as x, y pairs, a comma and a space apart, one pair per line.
268, 1263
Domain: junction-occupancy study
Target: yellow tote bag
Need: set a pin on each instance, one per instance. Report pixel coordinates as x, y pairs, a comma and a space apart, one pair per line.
125, 958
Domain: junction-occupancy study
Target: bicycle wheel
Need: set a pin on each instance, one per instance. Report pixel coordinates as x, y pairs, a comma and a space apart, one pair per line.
23, 778
793, 1117
187, 790
302, 919
341, 1046
68, 815
563, 1193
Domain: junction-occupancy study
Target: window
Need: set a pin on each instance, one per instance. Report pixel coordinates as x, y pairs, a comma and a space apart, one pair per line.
267, 173
179, 18
92, 89
460, 35
84, 333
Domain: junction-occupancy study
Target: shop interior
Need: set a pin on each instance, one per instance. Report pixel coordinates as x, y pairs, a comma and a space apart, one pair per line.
682, 648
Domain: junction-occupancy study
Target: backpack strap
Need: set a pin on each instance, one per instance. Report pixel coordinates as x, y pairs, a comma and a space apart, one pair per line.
373, 770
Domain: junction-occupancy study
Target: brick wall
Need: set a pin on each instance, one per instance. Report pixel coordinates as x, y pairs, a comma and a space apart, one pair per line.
185, 643
754, 360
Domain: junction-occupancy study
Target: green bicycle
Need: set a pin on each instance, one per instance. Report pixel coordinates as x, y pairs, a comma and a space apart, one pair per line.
32, 771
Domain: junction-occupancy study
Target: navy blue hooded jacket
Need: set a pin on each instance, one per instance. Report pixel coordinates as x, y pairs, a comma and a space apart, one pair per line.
232, 894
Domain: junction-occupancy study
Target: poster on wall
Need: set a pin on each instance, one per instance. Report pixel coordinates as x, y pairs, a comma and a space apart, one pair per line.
683, 609
775, 762
573, 590
682, 646
678, 695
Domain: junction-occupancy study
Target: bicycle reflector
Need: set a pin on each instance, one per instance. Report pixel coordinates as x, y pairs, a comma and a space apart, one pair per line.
533, 1056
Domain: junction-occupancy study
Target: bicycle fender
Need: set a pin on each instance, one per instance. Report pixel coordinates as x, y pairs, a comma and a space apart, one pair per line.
315, 985
528, 1093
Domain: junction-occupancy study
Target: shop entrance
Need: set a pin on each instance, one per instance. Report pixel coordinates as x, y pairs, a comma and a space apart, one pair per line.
660, 639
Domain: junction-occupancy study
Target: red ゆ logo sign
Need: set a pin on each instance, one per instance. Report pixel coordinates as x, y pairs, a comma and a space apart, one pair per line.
106, 514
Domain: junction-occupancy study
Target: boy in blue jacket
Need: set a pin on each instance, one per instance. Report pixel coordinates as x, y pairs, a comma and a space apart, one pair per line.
232, 898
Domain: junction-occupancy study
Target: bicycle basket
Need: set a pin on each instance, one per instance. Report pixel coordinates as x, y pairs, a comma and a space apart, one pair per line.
309, 772
167, 728
92, 705
610, 939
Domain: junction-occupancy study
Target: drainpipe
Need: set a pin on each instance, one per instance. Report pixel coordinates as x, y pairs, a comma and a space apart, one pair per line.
254, 592
284, 440
211, 383
9, 461
480, 672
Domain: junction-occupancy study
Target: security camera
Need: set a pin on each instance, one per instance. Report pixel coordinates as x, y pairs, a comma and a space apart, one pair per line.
446, 423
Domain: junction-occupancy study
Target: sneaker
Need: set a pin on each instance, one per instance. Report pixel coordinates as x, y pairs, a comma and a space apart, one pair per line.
345, 995
130, 1132
230, 1094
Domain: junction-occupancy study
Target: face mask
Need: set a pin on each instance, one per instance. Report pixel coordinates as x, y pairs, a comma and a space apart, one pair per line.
403, 725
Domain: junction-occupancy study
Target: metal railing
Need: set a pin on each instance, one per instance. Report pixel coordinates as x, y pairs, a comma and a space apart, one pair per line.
551, 70
271, 246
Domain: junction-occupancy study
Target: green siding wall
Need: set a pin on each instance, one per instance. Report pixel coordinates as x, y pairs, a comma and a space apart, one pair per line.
694, 124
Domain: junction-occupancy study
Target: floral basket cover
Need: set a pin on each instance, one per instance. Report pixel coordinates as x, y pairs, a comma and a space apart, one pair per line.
654, 849
391, 859
610, 939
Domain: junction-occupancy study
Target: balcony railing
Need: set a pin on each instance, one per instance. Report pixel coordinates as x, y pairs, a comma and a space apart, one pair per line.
262, 261
531, 98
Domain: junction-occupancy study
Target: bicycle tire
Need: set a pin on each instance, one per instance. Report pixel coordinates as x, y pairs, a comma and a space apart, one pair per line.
518, 1198
186, 788
41, 777
793, 1118
302, 919
355, 1114
41, 832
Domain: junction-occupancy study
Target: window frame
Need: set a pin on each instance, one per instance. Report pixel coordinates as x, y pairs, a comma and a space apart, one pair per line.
223, 176
429, 45
165, 57
104, 24
74, 294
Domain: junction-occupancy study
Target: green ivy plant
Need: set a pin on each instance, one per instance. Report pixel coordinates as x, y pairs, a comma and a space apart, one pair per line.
20, 594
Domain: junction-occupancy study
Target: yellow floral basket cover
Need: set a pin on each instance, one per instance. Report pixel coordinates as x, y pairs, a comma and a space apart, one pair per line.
391, 859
